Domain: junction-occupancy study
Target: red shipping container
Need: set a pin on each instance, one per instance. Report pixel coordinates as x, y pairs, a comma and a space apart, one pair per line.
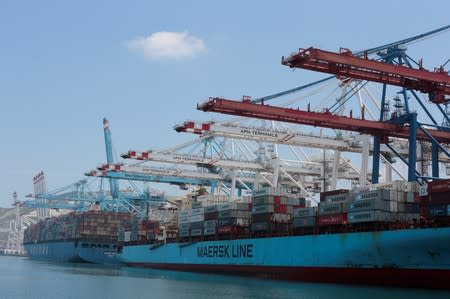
333, 219
439, 198
439, 186
277, 200
227, 229
282, 209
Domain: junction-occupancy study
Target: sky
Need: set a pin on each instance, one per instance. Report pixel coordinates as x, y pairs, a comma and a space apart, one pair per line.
64, 65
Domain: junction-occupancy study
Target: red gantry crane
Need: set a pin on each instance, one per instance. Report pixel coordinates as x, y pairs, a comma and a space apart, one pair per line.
436, 84
319, 119
348, 66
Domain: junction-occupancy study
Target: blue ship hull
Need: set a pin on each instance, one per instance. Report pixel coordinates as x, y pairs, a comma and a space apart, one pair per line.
410, 257
74, 251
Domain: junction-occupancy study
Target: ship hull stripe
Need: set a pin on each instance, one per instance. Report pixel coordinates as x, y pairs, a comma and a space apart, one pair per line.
410, 278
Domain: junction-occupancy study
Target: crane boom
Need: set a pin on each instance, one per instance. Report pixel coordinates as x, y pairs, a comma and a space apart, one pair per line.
190, 160
276, 136
436, 84
358, 54
352, 144
317, 119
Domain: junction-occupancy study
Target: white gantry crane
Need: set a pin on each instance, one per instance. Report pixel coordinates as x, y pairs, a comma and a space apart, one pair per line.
341, 167
250, 169
17, 226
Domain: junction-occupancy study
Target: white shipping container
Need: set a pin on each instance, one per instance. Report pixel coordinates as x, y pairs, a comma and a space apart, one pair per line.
270, 191
393, 206
412, 187
410, 196
127, 236
202, 198
277, 217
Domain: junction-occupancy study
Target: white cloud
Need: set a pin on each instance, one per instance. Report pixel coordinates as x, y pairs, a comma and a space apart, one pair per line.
168, 45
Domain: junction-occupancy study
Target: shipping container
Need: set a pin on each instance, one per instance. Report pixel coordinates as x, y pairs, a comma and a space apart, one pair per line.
185, 213
370, 216
198, 211
271, 227
260, 226
225, 222
437, 210
304, 222
196, 225
263, 209
326, 208
234, 213
196, 205
337, 198
197, 218
373, 204
273, 191
184, 233
333, 219
233, 221
196, 232
263, 217
438, 186
232, 229
211, 209
207, 231
325, 194
305, 212
211, 215
439, 198
210, 223
269, 199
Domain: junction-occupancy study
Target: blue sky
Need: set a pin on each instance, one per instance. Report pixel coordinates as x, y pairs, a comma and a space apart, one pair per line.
64, 65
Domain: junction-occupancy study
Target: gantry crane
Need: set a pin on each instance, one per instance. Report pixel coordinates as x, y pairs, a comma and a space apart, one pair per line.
354, 143
436, 83
345, 66
272, 135
82, 195
309, 168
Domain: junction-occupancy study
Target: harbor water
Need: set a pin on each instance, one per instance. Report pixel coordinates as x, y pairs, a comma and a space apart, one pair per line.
25, 278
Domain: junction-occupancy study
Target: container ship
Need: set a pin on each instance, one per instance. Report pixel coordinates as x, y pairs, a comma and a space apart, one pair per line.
89, 236
396, 234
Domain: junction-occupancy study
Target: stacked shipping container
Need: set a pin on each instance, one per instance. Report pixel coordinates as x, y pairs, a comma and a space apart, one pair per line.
272, 210
333, 208
436, 204
101, 226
